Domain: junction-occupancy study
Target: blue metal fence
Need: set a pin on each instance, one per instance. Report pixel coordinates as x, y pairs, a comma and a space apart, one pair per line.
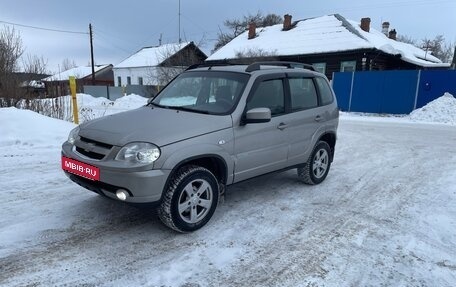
392, 92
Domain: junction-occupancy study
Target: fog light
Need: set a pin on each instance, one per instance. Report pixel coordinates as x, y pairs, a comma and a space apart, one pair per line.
122, 194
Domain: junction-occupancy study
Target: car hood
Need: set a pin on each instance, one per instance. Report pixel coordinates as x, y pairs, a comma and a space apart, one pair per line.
152, 124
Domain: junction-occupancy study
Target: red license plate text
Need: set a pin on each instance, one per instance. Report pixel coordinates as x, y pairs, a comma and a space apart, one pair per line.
80, 168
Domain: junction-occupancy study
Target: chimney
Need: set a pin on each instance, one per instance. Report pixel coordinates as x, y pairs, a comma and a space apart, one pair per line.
252, 30
392, 34
286, 22
365, 24
385, 28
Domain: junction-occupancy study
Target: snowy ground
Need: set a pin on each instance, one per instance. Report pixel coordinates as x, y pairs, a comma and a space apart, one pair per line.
385, 216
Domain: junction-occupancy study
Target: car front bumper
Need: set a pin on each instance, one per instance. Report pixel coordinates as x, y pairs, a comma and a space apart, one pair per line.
144, 186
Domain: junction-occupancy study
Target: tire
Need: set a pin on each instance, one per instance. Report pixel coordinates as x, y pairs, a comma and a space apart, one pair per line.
190, 199
317, 166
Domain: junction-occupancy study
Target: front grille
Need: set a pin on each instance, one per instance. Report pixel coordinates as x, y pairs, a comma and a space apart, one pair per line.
91, 148
97, 143
90, 154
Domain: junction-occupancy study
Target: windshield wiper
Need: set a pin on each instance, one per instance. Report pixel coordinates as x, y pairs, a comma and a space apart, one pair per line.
187, 109
155, 105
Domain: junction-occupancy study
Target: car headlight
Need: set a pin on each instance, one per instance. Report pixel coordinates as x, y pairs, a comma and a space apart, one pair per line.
73, 135
139, 153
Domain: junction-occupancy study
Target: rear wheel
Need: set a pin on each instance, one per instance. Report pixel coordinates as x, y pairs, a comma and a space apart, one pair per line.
317, 166
190, 199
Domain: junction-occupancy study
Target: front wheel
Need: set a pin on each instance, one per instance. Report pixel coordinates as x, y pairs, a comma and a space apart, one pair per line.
190, 199
317, 166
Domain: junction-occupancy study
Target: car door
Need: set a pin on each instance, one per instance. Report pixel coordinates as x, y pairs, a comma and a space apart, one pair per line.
262, 147
306, 120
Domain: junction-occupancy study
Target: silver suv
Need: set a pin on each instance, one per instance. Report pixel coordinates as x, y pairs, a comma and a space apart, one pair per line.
209, 128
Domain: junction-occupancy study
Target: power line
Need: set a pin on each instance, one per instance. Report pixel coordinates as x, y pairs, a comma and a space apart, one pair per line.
45, 29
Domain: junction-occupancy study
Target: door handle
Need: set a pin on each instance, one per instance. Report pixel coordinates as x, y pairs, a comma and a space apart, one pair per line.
318, 118
282, 126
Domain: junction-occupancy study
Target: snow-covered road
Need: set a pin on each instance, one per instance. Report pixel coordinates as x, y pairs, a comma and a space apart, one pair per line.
385, 216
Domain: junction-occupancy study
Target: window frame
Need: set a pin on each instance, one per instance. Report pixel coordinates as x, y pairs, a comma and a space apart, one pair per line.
318, 64
129, 80
344, 64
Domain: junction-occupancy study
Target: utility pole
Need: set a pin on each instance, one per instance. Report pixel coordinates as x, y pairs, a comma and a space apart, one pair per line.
180, 40
91, 53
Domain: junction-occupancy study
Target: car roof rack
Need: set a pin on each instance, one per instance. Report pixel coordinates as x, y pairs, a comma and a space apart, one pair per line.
290, 65
209, 65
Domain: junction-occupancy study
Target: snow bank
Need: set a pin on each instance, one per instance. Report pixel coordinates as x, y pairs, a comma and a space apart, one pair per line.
24, 128
131, 101
440, 110
94, 107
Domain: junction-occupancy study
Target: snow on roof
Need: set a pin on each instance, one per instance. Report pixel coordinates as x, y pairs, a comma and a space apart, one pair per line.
78, 72
151, 56
325, 34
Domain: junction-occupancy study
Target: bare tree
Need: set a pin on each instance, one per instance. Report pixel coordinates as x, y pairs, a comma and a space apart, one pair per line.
439, 48
174, 61
33, 64
238, 26
407, 39
68, 64
10, 51
255, 55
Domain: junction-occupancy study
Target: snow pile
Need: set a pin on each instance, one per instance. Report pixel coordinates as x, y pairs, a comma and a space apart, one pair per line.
24, 128
440, 110
131, 101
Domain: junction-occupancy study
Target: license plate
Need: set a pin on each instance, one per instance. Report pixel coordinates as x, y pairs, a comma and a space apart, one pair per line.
79, 168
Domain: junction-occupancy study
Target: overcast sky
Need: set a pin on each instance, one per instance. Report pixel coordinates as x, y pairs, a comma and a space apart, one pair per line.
123, 27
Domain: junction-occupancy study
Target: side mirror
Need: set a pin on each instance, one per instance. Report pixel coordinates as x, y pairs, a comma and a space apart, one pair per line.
258, 115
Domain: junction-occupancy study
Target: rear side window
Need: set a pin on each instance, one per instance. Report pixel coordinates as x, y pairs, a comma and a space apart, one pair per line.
326, 96
303, 94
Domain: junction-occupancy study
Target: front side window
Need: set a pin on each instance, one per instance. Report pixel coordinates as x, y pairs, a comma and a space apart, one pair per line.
348, 66
268, 94
303, 94
206, 92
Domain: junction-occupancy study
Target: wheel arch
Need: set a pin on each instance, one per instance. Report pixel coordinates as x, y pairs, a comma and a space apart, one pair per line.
213, 162
330, 139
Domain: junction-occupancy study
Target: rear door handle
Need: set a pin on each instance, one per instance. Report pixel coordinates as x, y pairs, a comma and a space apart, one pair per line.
282, 126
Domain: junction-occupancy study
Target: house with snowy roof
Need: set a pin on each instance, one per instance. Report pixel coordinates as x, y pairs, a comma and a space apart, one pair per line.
331, 43
156, 66
58, 84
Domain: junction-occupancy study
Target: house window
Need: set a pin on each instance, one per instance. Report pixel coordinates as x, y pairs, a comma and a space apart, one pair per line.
348, 66
140, 81
119, 81
320, 67
128, 80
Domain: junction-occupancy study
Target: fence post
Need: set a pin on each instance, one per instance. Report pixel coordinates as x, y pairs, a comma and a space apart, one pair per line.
351, 91
418, 79
74, 100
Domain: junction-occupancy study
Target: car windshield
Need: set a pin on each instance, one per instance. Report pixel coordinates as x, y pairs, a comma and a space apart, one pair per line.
212, 92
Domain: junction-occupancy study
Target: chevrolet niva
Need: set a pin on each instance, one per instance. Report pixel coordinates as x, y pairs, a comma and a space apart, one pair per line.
210, 127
